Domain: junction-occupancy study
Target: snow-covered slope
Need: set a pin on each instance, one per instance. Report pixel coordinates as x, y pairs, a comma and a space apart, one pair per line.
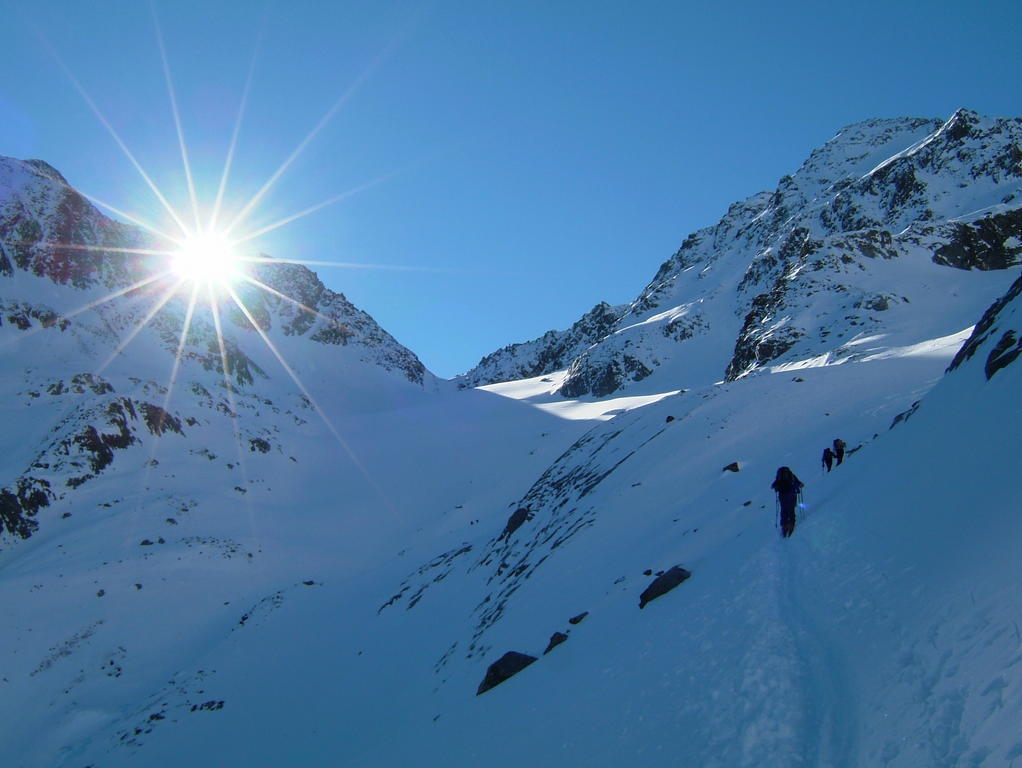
323, 573
856, 242
91, 350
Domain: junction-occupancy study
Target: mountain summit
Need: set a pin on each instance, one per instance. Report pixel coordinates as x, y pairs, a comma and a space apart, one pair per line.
853, 244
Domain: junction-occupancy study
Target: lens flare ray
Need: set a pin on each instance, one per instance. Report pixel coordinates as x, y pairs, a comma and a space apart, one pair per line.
91, 305
348, 265
83, 247
168, 294
327, 117
285, 297
221, 190
313, 208
177, 116
319, 410
117, 138
186, 326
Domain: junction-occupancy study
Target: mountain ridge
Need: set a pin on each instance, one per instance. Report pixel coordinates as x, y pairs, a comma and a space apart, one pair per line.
878, 190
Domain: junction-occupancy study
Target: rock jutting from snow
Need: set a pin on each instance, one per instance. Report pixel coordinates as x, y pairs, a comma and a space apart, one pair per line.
507, 666
518, 518
996, 322
555, 640
663, 584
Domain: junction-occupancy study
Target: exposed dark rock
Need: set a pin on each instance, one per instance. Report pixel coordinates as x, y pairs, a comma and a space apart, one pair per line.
258, 444
207, 706
669, 419
603, 378
20, 504
158, 420
555, 640
985, 326
507, 666
758, 341
1004, 353
905, 415
578, 619
663, 584
517, 520
870, 243
732, 467
990, 243
686, 327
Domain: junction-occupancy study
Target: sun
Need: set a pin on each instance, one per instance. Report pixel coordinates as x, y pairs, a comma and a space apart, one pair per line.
208, 259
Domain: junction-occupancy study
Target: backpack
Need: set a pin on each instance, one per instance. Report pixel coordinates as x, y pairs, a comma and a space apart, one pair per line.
786, 481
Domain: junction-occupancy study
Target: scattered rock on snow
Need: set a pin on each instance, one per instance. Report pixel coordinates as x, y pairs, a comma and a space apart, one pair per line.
555, 640
732, 467
507, 666
663, 584
577, 619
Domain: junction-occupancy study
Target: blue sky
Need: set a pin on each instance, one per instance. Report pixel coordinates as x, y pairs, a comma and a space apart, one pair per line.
524, 160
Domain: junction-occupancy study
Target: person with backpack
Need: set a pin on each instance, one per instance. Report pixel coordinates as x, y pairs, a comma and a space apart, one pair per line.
828, 458
839, 450
787, 487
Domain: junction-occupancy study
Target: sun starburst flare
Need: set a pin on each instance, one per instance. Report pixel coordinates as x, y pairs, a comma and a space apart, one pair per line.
200, 261
209, 258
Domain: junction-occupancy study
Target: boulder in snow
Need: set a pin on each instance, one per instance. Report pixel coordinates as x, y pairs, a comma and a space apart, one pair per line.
555, 640
663, 584
508, 665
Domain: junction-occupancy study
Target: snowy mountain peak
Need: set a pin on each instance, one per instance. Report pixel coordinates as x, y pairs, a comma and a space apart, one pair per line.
552, 351
854, 244
111, 358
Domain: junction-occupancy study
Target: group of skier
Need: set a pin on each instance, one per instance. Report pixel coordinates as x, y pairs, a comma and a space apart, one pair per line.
837, 453
789, 488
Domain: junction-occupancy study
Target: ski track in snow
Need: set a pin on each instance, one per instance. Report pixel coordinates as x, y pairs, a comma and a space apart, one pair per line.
830, 720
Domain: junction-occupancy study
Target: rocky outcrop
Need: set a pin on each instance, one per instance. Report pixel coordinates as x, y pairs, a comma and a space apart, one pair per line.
518, 518
504, 668
994, 242
999, 332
